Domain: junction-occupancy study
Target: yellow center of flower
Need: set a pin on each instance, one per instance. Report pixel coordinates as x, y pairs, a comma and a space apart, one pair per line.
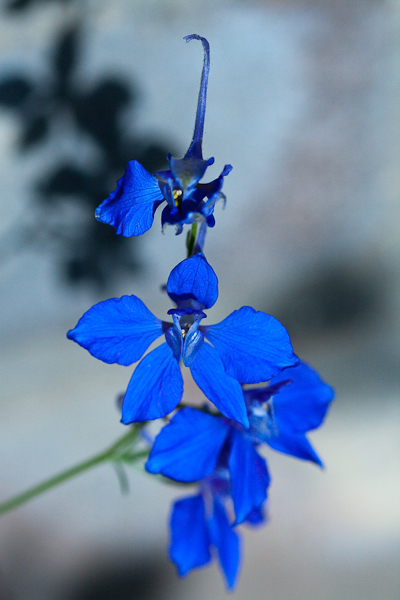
177, 194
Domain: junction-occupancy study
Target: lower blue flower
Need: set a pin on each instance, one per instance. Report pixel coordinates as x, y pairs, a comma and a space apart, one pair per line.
191, 446
196, 444
201, 523
222, 455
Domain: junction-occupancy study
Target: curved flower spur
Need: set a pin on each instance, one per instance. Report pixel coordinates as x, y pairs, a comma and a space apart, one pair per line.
247, 347
130, 208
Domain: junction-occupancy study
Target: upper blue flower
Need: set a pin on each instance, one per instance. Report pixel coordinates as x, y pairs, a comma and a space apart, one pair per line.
130, 208
248, 346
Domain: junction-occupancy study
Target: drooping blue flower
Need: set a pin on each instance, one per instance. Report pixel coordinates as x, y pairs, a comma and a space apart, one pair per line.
206, 521
197, 445
199, 523
120, 330
130, 208
222, 455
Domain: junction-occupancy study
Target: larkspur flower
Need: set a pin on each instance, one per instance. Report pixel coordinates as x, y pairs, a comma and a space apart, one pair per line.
280, 414
295, 402
205, 521
248, 346
197, 446
202, 523
130, 208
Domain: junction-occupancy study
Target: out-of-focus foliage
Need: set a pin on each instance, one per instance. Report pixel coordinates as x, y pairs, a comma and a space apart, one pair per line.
17, 5
67, 195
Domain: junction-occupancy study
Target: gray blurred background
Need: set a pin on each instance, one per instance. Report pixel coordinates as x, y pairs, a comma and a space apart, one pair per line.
303, 101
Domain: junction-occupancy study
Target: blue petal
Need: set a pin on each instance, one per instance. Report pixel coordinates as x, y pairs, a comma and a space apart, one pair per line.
130, 208
155, 388
174, 216
190, 539
260, 395
226, 393
187, 449
256, 517
213, 191
193, 340
118, 330
201, 238
249, 477
226, 542
253, 346
210, 221
193, 279
294, 444
174, 338
167, 192
302, 405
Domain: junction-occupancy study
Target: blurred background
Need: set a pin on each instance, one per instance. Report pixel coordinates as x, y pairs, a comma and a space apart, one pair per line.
304, 103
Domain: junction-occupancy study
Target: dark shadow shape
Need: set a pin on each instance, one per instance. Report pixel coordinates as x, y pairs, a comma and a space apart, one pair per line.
14, 6
338, 297
90, 252
147, 579
14, 91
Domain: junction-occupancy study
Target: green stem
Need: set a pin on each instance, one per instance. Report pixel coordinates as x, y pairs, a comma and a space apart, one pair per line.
191, 240
109, 454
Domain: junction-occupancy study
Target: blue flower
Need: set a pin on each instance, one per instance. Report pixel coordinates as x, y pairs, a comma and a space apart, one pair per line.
295, 402
199, 523
203, 521
280, 414
130, 208
248, 346
197, 446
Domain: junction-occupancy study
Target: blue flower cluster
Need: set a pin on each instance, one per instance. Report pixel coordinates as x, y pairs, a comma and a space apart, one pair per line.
215, 446
222, 456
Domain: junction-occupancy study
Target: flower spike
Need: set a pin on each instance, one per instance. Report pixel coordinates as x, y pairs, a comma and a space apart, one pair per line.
195, 148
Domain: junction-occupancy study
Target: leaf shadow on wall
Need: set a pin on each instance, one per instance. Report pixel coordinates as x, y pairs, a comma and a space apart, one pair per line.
61, 217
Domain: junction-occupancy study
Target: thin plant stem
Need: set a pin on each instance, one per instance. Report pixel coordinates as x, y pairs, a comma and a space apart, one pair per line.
191, 240
112, 453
